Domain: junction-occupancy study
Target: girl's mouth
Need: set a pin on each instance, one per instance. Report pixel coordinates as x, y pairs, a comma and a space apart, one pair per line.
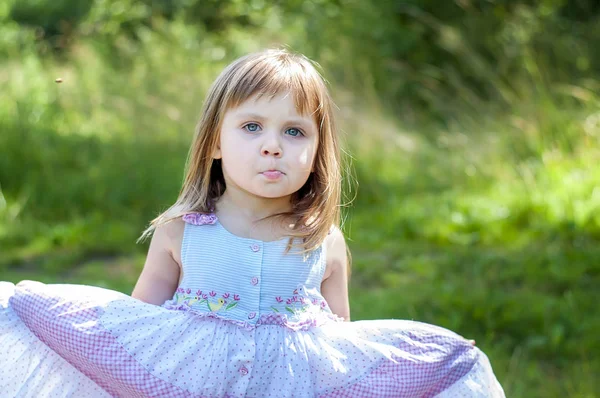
272, 174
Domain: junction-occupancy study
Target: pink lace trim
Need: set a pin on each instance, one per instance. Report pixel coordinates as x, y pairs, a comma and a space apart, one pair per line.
310, 320
305, 324
200, 218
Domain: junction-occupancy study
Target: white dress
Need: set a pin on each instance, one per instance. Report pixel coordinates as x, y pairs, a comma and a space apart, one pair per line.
246, 321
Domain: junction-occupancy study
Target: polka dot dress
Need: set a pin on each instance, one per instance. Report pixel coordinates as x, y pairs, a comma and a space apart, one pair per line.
246, 321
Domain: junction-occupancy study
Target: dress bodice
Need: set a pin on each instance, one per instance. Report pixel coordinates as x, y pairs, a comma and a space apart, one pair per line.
248, 281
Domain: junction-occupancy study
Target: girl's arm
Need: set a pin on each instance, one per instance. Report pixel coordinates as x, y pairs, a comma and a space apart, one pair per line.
334, 287
160, 276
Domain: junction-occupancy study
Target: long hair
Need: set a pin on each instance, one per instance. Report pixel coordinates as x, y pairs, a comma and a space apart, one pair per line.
316, 206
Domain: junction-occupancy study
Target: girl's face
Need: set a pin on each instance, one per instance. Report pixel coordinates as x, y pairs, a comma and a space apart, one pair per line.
267, 148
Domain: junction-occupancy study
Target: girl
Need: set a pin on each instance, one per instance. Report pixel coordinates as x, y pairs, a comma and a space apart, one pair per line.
244, 290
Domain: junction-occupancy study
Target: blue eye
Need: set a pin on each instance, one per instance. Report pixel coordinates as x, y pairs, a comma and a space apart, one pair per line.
294, 132
252, 127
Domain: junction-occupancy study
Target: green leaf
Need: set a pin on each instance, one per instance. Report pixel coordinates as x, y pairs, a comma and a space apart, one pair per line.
290, 310
231, 305
274, 309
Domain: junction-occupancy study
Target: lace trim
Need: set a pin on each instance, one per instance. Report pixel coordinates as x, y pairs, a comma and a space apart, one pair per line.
308, 320
200, 218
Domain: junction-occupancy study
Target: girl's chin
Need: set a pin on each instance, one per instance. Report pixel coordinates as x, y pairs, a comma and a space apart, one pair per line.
272, 193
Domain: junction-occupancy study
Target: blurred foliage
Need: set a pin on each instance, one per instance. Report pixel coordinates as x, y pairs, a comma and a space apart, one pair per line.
474, 127
430, 54
416, 53
442, 56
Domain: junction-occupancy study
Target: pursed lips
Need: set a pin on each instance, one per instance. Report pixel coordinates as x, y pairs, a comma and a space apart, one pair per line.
273, 174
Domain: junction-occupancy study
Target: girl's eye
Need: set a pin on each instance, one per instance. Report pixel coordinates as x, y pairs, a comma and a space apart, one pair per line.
252, 127
294, 132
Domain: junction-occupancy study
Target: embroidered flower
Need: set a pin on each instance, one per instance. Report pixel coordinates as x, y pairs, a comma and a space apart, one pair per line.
303, 301
236, 297
182, 302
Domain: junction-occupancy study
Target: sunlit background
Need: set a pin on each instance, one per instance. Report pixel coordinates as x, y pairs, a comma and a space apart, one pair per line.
472, 132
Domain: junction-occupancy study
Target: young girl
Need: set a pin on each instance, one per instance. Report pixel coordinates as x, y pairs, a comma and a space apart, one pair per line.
244, 290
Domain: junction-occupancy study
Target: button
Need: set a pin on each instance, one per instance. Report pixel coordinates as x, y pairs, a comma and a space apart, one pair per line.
243, 370
251, 315
254, 281
255, 247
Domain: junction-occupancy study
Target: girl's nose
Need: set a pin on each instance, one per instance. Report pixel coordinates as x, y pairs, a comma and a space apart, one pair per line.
271, 147
274, 152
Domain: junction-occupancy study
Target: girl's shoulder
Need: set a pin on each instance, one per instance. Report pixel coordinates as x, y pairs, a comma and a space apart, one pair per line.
335, 249
173, 229
170, 237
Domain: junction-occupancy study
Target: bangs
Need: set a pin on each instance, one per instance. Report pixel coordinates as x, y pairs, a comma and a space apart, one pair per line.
272, 76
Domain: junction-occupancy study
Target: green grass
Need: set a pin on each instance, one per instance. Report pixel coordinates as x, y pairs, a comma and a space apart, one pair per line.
488, 226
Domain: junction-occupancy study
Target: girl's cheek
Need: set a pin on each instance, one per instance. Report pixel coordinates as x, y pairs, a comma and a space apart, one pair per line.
304, 157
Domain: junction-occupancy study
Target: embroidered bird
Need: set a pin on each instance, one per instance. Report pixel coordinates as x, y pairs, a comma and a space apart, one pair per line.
303, 291
216, 306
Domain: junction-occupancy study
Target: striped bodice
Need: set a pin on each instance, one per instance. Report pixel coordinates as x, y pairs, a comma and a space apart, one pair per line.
246, 280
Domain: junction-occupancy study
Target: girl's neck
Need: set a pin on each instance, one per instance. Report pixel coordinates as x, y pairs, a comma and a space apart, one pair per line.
241, 216
250, 208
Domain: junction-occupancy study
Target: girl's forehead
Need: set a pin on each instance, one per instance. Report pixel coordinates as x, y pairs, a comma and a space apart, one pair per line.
279, 102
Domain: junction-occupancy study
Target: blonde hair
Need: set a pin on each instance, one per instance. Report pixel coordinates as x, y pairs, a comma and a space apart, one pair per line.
316, 206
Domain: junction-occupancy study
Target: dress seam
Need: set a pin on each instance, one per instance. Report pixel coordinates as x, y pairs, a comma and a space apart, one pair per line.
358, 379
466, 373
107, 330
11, 309
368, 372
